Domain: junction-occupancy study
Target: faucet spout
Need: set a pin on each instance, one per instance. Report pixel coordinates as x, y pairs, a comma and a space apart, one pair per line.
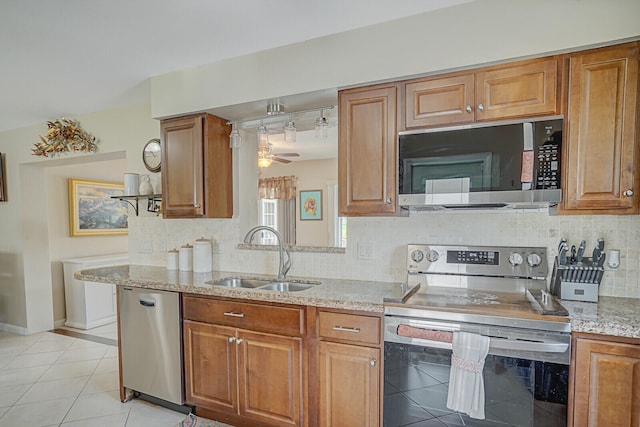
284, 266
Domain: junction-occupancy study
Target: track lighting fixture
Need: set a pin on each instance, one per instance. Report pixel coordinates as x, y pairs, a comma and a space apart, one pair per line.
234, 137
321, 126
290, 130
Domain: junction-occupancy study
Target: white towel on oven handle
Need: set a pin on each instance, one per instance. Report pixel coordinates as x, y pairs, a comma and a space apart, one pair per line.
466, 384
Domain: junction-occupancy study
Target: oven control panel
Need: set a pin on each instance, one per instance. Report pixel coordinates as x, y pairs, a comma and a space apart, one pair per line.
500, 261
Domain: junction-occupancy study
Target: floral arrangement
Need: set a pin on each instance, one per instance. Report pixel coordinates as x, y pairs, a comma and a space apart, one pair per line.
64, 135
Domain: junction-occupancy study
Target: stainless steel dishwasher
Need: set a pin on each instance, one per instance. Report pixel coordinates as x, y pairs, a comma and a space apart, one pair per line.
150, 342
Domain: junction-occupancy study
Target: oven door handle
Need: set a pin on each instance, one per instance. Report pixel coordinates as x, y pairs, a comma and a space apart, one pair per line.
519, 345
496, 342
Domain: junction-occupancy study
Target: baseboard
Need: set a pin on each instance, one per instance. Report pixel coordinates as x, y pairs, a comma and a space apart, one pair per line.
13, 329
59, 323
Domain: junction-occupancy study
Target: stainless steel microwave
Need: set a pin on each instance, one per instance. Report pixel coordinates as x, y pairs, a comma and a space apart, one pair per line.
495, 165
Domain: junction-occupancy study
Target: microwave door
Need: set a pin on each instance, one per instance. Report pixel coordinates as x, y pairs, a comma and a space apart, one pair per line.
476, 167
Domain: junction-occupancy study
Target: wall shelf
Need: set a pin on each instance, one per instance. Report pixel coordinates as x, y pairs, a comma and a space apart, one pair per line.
153, 201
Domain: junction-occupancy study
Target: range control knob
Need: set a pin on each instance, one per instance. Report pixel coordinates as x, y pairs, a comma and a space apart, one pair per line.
417, 255
534, 260
432, 256
515, 259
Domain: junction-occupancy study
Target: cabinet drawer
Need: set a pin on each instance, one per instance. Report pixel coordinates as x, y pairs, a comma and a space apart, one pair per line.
283, 320
350, 327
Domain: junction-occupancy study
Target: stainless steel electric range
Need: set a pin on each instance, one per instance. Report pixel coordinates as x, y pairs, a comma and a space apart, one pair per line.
498, 292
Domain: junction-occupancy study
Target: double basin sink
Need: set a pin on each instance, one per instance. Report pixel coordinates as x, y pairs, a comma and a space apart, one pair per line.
266, 285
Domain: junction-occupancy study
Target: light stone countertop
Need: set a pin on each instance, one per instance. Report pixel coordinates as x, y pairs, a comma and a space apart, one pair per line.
332, 293
609, 316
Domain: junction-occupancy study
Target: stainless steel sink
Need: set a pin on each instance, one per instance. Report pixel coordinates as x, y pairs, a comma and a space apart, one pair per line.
241, 282
262, 284
287, 286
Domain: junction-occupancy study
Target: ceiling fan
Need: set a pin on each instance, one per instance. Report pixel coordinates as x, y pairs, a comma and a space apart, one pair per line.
279, 157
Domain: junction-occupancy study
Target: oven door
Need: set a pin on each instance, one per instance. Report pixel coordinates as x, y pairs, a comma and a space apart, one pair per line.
522, 386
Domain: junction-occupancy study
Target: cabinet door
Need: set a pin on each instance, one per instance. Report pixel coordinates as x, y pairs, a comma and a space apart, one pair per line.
270, 378
349, 385
182, 167
367, 150
525, 90
601, 143
210, 366
439, 101
607, 384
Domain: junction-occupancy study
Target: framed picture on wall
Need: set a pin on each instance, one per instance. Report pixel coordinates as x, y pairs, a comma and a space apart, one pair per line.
3, 194
93, 211
310, 205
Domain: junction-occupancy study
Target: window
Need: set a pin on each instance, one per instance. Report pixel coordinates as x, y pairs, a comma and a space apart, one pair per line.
269, 217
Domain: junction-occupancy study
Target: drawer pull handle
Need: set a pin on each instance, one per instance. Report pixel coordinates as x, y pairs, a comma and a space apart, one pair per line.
232, 314
343, 329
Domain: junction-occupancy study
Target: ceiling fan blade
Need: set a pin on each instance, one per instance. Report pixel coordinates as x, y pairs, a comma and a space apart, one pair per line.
287, 154
278, 159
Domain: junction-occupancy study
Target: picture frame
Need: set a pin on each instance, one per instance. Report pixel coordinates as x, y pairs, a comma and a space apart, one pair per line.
3, 191
311, 205
93, 211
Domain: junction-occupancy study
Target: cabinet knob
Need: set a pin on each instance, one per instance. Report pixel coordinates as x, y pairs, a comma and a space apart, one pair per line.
239, 341
480, 107
373, 362
389, 201
232, 339
628, 193
469, 109
197, 205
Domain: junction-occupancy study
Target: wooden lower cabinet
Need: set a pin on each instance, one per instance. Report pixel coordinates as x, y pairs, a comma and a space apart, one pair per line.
349, 368
606, 382
210, 366
239, 376
349, 385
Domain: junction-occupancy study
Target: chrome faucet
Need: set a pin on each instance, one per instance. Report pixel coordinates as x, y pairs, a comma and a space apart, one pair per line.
284, 267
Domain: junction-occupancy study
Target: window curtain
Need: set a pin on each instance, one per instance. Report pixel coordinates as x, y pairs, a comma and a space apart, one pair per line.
278, 187
282, 189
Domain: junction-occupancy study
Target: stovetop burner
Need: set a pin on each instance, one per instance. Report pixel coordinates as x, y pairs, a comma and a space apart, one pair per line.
494, 285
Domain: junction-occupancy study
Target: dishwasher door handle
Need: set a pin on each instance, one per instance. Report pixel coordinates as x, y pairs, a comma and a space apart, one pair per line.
147, 302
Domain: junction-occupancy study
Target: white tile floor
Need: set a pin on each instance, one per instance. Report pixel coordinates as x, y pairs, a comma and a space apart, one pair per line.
48, 380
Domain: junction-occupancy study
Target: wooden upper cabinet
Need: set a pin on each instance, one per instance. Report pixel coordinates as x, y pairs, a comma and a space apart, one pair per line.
601, 142
197, 177
606, 384
439, 101
522, 89
367, 153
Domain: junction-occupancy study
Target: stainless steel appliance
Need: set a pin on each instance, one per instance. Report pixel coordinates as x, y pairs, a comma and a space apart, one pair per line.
150, 343
498, 292
495, 165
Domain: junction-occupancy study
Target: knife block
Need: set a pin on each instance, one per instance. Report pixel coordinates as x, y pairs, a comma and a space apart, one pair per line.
576, 282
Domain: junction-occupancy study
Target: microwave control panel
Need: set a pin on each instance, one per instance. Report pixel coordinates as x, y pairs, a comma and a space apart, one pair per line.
548, 176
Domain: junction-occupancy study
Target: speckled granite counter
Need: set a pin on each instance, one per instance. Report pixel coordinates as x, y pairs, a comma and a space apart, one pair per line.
332, 293
609, 316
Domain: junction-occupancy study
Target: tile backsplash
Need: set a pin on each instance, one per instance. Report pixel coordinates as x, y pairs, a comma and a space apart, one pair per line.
151, 237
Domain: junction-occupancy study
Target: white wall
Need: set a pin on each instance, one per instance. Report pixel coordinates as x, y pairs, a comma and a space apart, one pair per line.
479, 32
26, 285
61, 245
311, 175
